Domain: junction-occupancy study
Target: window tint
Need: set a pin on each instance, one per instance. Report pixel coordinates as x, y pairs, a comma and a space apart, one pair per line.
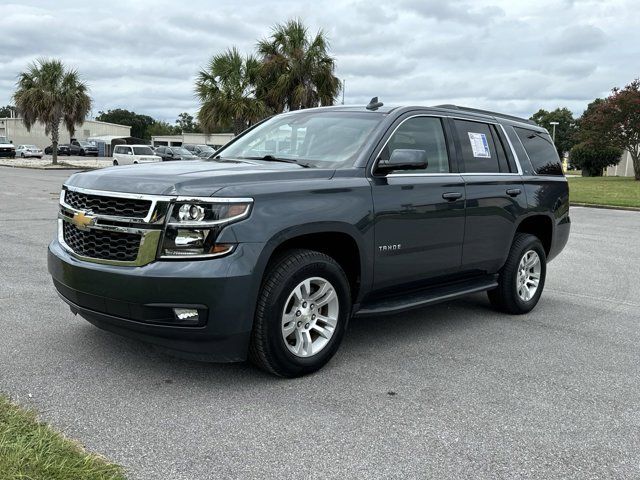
481, 147
421, 133
541, 151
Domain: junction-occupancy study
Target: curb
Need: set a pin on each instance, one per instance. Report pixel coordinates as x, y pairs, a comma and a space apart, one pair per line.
604, 207
50, 168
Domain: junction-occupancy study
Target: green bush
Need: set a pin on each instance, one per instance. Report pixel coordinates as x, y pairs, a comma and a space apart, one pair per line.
592, 159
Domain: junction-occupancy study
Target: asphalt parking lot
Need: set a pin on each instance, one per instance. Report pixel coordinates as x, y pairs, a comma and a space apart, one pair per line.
451, 391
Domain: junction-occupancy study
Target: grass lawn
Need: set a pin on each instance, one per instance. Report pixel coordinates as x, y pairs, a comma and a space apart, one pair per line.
31, 450
613, 191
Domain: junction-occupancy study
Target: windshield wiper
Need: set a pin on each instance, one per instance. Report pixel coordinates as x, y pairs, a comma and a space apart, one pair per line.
271, 158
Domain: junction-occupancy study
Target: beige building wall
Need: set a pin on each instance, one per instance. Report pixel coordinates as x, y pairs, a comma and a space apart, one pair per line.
14, 130
623, 169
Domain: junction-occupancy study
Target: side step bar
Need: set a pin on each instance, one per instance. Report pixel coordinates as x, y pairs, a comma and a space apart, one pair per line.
442, 293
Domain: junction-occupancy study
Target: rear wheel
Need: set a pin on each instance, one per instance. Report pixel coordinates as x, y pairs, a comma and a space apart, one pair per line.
522, 277
115, 162
301, 315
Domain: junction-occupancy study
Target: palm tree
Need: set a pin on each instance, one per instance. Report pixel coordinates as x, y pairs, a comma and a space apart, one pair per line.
297, 70
49, 93
226, 89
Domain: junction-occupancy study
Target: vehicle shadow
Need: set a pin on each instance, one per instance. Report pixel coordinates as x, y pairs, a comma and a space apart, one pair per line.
365, 336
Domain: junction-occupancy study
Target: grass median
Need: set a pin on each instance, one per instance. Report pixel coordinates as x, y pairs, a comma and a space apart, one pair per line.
607, 191
32, 450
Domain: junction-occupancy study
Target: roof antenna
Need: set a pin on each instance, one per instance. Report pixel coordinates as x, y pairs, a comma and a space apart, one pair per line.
374, 104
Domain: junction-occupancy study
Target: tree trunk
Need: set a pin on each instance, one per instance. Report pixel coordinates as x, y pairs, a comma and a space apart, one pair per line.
238, 126
55, 131
635, 157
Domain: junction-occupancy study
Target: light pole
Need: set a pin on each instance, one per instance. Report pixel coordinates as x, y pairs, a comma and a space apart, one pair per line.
554, 130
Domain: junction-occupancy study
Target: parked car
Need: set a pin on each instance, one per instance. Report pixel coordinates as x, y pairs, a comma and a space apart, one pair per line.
175, 153
63, 149
201, 151
372, 211
7, 149
82, 148
133, 154
28, 151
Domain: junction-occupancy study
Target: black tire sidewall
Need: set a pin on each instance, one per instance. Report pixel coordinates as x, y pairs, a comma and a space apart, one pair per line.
273, 316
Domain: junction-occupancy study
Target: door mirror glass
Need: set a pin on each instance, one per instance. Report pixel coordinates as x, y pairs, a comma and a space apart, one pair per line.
404, 159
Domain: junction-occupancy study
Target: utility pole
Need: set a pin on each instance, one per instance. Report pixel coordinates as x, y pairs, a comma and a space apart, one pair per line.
554, 130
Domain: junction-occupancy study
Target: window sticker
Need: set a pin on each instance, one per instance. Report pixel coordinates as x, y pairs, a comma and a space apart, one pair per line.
479, 145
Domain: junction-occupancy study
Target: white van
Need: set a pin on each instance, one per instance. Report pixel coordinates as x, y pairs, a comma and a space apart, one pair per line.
130, 154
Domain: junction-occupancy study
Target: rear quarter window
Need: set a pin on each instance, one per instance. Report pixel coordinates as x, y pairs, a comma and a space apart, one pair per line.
541, 151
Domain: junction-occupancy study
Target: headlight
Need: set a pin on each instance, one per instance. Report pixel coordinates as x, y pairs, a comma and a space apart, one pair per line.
194, 225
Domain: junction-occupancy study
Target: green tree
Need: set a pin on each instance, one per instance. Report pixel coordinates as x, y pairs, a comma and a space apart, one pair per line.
297, 70
593, 158
139, 123
52, 94
161, 128
615, 121
5, 112
185, 123
565, 130
227, 92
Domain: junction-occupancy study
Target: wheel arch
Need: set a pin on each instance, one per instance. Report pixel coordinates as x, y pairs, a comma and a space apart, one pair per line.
539, 225
342, 242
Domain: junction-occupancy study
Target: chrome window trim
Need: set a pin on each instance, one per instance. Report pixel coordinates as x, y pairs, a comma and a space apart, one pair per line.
453, 117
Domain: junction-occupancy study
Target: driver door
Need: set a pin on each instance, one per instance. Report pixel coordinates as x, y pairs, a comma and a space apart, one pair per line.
419, 214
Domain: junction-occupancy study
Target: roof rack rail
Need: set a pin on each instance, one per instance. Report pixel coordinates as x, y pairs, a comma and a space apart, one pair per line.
487, 112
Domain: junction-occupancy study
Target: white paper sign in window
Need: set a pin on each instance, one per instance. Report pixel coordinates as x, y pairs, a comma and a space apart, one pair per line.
479, 145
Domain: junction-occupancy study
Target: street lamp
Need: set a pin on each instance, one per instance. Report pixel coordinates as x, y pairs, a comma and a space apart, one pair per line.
554, 130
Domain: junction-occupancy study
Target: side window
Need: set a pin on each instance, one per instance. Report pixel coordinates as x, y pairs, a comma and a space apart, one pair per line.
541, 151
481, 147
118, 149
421, 133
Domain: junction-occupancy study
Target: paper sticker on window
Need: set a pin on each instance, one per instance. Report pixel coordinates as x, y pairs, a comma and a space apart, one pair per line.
479, 145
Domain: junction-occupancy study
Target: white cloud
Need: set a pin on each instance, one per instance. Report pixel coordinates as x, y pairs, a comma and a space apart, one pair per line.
512, 56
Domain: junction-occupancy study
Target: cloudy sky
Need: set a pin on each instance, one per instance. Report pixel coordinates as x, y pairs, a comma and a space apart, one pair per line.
513, 56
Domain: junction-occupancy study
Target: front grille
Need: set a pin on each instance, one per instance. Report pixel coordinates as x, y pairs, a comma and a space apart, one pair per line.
101, 244
114, 206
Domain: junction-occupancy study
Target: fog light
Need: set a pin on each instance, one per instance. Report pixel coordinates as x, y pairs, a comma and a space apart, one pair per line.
186, 314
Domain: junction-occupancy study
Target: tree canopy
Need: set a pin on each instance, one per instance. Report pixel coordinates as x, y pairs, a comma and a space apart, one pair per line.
565, 130
615, 121
5, 112
139, 123
50, 93
227, 92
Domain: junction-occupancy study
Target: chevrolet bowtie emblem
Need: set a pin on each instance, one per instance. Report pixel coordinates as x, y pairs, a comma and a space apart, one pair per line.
83, 221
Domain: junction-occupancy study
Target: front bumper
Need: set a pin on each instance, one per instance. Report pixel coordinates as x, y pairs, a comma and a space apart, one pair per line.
138, 301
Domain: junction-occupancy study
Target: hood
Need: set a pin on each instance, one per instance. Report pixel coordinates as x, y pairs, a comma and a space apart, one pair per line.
198, 177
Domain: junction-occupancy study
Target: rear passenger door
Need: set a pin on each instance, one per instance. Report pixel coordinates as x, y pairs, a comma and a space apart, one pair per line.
494, 191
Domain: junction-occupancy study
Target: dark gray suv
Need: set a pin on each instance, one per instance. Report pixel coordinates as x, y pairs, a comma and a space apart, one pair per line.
308, 218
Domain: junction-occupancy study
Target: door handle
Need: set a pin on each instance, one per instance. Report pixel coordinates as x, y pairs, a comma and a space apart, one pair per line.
451, 196
514, 192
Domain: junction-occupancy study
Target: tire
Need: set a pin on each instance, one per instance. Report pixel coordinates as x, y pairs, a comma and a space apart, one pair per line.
115, 163
280, 308
82, 153
135, 163
516, 280
22, 155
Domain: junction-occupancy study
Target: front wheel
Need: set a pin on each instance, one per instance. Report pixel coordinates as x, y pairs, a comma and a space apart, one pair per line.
115, 163
301, 315
22, 154
522, 277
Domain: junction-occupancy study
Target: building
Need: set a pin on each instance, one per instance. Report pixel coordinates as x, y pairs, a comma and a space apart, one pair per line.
14, 130
216, 140
624, 168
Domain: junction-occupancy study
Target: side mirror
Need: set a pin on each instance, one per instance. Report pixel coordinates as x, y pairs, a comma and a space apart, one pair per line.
404, 159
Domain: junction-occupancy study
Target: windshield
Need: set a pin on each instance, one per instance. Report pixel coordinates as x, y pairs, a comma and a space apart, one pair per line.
142, 151
318, 139
86, 144
180, 151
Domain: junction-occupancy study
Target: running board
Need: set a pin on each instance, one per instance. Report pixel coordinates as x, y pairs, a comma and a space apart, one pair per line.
442, 293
